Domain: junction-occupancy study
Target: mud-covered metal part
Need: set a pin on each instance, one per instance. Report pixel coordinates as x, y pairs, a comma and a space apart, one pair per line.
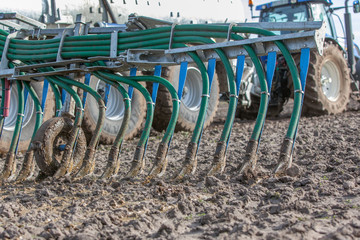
285, 159
161, 161
50, 142
138, 162
28, 167
113, 165
250, 157
9, 167
190, 162
88, 166
219, 161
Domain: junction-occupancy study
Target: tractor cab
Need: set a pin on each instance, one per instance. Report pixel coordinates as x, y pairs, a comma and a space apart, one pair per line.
299, 11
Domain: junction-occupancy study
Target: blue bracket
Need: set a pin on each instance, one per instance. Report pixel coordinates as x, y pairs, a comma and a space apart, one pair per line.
304, 66
211, 71
131, 89
182, 78
270, 69
155, 86
107, 92
240, 63
63, 96
44, 94
87, 82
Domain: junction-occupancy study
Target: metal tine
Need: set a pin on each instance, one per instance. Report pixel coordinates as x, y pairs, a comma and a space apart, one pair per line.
88, 163
219, 161
285, 163
190, 164
250, 163
161, 160
137, 163
155, 87
113, 165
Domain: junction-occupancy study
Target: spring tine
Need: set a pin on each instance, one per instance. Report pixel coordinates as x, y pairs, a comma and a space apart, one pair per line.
10, 161
219, 161
113, 165
190, 163
138, 161
250, 163
161, 160
286, 161
88, 163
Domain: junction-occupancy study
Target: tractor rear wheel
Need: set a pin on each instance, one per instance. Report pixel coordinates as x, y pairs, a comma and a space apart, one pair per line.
190, 102
328, 83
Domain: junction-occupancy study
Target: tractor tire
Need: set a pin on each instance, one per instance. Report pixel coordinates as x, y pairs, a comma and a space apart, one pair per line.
190, 103
29, 117
114, 113
328, 82
53, 133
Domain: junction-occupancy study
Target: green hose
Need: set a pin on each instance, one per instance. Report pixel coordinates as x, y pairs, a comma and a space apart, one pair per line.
2, 118
28, 164
138, 160
113, 164
10, 161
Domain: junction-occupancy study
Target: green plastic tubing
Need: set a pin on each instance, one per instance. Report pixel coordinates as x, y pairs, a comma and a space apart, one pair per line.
10, 161
113, 164
28, 164
2, 119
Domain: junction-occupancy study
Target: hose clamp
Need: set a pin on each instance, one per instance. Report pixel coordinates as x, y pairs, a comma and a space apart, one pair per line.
176, 100
205, 95
152, 103
231, 25
21, 114
299, 91
265, 92
114, 44
127, 99
80, 109
40, 112
233, 95
172, 34
62, 39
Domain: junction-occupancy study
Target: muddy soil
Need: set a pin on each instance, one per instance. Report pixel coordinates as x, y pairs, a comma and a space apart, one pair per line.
318, 199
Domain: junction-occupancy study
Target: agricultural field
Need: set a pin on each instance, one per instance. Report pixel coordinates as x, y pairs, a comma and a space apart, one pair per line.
318, 198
